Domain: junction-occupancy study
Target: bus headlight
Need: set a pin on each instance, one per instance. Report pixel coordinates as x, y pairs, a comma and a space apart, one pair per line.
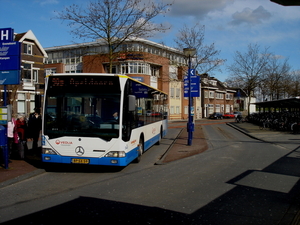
48, 151
116, 154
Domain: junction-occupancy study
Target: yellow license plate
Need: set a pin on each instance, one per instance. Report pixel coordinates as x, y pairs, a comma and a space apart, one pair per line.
81, 161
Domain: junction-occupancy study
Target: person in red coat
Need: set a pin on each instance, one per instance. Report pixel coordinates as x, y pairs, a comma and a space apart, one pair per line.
22, 130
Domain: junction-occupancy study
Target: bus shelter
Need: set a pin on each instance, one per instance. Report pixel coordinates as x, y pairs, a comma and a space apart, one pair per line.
289, 104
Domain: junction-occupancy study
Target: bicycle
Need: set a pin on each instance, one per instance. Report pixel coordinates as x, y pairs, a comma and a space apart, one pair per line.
265, 124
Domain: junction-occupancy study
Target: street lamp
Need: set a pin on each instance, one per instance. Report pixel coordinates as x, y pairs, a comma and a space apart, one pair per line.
190, 52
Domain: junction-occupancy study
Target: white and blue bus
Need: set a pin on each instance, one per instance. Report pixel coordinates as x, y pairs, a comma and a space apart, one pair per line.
100, 119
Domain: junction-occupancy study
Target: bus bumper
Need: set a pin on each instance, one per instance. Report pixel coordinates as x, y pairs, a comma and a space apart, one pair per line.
106, 161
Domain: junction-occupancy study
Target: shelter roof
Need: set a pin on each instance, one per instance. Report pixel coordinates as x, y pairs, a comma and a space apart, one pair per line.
283, 103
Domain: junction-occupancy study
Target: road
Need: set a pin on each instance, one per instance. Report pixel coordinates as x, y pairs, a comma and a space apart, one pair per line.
230, 183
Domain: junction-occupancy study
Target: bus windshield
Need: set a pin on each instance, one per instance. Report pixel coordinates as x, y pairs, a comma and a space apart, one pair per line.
82, 115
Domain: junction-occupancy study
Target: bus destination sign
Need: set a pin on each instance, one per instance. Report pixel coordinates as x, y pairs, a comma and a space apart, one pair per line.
79, 81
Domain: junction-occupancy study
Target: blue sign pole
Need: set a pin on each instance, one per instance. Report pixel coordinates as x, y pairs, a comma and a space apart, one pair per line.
190, 125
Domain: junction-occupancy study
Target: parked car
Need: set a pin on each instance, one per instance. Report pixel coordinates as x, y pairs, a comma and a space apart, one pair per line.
216, 116
229, 115
156, 114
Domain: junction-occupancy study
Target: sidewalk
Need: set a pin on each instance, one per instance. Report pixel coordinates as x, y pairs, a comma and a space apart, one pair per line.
21, 169
179, 149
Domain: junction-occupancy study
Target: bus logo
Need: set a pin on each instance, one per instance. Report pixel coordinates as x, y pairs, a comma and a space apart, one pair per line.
79, 151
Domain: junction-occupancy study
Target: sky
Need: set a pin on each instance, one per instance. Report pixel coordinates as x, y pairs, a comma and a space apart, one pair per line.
230, 24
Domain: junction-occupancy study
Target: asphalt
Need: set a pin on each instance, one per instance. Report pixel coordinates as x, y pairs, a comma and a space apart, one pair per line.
31, 166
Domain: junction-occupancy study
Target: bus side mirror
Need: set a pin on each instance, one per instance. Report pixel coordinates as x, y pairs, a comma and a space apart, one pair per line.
131, 103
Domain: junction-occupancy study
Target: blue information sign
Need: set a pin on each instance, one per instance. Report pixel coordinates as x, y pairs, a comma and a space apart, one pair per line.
10, 77
195, 84
10, 61
10, 48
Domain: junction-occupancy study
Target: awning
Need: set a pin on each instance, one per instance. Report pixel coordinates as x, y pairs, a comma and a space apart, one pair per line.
287, 2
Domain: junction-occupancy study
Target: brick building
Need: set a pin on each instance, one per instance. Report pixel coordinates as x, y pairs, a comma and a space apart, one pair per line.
22, 96
155, 64
215, 96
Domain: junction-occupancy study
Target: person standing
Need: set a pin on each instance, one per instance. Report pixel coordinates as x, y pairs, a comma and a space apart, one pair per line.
22, 134
12, 136
34, 127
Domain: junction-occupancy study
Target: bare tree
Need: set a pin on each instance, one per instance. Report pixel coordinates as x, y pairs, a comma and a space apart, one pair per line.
206, 58
274, 76
294, 84
250, 68
114, 21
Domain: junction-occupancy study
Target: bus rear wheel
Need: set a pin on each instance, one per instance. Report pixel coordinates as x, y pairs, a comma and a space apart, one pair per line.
140, 151
160, 136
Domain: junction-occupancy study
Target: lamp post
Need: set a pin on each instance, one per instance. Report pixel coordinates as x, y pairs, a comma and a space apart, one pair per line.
190, 52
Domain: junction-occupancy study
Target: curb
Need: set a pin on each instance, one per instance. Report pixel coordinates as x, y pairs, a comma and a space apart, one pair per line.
244, 132
160, 161
22, 178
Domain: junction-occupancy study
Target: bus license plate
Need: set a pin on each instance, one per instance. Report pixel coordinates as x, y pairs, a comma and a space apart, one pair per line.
81, 161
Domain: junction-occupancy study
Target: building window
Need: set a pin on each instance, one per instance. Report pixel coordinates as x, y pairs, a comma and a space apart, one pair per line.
26, 72
35, 75
213, 82
229, 96
218, 109
177, 109
155, 71
21, 103
210, 108
172, 110
205, 94
178, 93
211, 94
135, 68
28, 49
172, 93
186, 109
219, 95
227, 108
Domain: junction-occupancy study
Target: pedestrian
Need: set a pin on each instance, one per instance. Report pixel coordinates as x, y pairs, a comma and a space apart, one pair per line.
34, 127
12, 136
22, 135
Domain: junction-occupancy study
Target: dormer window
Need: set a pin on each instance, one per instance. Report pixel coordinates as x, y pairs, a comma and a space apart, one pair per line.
28, 49
213, 82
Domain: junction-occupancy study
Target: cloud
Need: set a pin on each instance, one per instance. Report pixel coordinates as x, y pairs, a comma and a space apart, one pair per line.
250, 17
197, 8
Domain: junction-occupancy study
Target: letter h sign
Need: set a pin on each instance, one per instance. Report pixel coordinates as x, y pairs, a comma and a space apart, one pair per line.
6, 34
